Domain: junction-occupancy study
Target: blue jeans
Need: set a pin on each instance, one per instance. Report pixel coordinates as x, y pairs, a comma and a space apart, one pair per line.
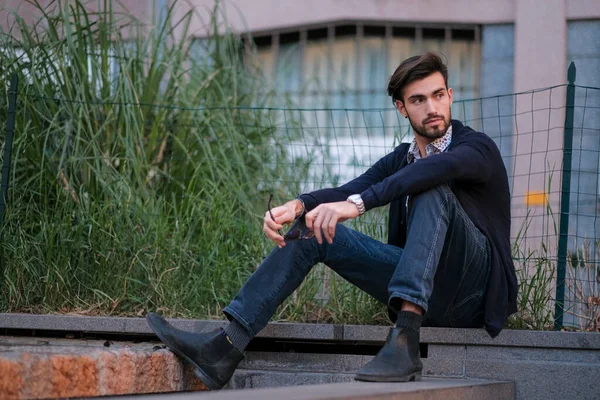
443, 267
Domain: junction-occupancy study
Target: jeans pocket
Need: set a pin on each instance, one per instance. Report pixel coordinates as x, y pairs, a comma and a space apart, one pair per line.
467, 313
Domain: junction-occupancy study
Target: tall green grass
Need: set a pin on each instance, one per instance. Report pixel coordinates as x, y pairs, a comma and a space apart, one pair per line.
117, 204
141, 173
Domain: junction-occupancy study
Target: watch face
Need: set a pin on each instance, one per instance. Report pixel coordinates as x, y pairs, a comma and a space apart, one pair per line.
354, 197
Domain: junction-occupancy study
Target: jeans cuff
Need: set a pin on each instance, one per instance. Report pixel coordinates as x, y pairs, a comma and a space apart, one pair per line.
414, 300
231, 313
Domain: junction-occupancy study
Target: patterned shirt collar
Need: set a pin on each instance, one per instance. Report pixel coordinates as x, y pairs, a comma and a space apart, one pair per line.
439, 145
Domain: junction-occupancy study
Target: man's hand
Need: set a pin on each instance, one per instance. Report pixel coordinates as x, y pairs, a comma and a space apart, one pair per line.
323, 219
284, 214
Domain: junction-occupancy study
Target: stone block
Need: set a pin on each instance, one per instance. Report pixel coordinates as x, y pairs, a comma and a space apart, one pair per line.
517, 338
533, 354
441, 351
365, 333
73, 376
451, 368
338, 378
433, 389
538, 380
136, 325
445, 360
116, 372
79, 369
443, 335
11, 378
38, 375
301, 331
307, 362
140, 326
247, 379
62, 322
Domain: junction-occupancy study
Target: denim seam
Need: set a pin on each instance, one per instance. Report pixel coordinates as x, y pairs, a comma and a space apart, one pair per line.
432, 248
469, 224
471, 227
463, 302
476, 235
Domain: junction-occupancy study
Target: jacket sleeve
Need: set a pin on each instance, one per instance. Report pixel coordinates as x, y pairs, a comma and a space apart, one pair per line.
467, 161
377, 173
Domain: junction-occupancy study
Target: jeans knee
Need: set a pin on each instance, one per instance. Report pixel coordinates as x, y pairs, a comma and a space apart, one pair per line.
326, 250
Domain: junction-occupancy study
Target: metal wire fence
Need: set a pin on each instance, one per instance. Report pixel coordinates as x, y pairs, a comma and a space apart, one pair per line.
95, 154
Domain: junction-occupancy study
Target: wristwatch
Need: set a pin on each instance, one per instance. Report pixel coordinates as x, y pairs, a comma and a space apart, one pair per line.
358, 201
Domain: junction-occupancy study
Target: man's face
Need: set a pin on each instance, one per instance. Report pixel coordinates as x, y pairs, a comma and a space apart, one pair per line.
427, 106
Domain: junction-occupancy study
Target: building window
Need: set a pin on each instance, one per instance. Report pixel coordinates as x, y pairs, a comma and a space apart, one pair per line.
347, 66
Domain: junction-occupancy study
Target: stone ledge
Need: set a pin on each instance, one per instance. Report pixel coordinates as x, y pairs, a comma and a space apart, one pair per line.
35, 369
129, 325
366, 333
432, 389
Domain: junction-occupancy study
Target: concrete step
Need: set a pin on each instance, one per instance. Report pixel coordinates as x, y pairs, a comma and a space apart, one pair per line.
428, 388
36, 367
542, 364
303, 362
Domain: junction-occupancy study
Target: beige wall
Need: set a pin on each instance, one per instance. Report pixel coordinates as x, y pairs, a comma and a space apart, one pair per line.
540, 61
540, 25
265, 15
143, 10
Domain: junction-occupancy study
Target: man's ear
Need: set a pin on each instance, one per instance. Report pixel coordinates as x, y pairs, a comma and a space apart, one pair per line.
401, 108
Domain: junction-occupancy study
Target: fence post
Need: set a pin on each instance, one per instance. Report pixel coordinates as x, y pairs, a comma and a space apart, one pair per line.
565, 199
10, 130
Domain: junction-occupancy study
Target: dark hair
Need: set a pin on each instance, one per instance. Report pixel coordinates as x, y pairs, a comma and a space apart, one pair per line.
413, 69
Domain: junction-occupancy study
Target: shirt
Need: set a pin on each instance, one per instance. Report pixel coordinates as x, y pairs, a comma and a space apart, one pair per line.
439, 145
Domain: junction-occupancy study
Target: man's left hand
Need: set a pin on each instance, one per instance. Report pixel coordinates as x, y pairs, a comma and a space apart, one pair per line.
323, 219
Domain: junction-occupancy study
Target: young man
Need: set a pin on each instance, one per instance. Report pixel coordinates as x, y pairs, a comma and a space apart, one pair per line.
448, 260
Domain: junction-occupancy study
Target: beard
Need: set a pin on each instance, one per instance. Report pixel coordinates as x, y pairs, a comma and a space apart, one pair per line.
432, 131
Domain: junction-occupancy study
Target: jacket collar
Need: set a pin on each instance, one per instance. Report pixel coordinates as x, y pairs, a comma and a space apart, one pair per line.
457, 128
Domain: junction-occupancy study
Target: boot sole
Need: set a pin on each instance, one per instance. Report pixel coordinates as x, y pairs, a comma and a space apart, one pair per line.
373, 378
209, 382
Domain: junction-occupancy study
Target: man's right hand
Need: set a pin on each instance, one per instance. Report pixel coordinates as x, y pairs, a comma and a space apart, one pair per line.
284, 214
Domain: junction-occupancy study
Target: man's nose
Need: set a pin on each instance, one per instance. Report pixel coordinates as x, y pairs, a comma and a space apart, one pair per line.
430, 107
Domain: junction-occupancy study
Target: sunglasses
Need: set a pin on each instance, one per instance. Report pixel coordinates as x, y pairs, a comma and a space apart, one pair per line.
298, 230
